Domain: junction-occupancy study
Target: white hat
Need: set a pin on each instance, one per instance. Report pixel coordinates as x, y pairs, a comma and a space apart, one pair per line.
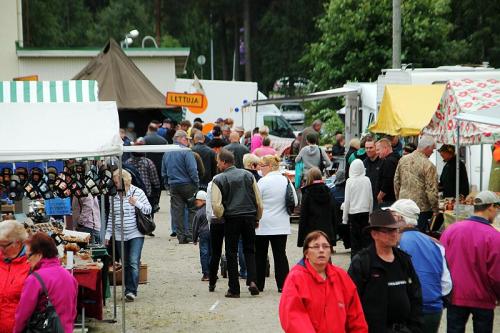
407, 208
486, 198
201, 195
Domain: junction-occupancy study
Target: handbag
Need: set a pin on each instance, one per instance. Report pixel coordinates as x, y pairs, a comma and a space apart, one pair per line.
145, 223
47, 321
291, 200
322, 164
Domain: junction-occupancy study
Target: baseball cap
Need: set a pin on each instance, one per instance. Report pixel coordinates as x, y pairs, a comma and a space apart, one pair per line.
198, 119
486, 198
447, 149
130, 124
219, 120
239, 129
201, 195
406, 208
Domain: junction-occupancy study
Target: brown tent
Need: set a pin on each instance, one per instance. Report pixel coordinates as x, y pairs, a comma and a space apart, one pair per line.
120, 80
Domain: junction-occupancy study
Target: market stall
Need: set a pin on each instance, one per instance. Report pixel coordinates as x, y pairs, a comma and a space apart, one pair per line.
406, 109
468, 114
37, 132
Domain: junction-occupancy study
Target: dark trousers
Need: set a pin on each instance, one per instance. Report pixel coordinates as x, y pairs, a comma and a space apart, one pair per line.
278, 245
431, 321
179, 195
359, 237
457, 316
423, 221
216, 240
233, 229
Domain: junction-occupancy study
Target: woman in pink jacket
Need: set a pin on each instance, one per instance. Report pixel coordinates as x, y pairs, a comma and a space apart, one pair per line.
62, 288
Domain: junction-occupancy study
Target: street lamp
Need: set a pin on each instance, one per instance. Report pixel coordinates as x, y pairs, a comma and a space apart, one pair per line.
129, 38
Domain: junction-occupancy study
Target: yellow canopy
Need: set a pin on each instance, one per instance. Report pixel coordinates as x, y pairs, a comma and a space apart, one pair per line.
407, 109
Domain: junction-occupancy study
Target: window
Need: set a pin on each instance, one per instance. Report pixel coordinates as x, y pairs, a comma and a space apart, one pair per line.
278, 126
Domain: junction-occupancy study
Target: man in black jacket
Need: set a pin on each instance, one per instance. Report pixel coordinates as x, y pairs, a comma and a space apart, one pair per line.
208, 156
237, 149
449, 173
390, 159
387, 283
236, 197
372, 164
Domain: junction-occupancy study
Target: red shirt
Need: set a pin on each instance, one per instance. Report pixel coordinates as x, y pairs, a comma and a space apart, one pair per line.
312, 304
12, 276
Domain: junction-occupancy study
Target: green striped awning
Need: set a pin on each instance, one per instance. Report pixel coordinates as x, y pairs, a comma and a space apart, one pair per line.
48, 91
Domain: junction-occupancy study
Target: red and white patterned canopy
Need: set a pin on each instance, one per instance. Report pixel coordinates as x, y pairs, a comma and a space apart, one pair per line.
467, 96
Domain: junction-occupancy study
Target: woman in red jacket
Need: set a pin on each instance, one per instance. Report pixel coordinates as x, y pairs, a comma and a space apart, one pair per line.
318, 296
14, 269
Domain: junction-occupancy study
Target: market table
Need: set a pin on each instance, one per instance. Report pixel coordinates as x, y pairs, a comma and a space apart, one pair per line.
90, 290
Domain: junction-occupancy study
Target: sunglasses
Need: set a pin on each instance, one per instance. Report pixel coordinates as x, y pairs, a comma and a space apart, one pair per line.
6, 246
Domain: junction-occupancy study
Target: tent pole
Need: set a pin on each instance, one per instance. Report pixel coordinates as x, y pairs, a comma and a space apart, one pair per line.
481, 169
113, 250
457, 170
103, 220
122, 243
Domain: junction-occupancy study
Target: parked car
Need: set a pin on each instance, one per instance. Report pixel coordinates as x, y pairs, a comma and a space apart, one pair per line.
293, 112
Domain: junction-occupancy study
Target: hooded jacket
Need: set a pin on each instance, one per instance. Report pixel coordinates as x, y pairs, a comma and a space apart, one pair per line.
310, 155
316, 211
358, 191
311, 304
61, 287
12, 276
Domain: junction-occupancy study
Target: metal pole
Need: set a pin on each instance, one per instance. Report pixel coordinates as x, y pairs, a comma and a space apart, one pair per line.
457, 170
396, 34
120, 193
481, 170
103, 220
113, 250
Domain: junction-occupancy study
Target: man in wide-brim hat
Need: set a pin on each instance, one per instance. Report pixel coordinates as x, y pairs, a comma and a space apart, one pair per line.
387, 284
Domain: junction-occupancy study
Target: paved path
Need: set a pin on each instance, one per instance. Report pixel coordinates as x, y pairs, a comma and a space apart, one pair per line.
175, 300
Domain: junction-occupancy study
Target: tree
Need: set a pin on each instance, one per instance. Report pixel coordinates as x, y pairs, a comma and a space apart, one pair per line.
355, 42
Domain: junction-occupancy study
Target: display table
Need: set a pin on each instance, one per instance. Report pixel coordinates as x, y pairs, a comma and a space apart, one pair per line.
90, 290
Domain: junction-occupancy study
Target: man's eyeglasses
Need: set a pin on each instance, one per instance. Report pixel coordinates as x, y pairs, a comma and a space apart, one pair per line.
320, 246
388, 230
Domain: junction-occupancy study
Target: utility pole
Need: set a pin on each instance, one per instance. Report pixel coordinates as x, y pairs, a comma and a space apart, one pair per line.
396, 34
246, 39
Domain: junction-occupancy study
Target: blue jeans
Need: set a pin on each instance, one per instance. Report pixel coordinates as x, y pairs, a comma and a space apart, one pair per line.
241, 260
205, 252
131, 261
457, 316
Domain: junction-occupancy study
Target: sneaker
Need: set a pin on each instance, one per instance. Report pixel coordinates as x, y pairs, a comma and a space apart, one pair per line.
129, 297
173, 234
205, 278
211, 288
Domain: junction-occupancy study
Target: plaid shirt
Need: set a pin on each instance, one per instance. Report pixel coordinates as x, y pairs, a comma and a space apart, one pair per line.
147, 171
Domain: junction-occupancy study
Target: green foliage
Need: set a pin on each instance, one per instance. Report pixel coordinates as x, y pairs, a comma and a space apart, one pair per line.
169, 41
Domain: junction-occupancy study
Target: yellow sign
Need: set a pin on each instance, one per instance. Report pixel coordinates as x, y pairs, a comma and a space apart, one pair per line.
26, 78
196, 103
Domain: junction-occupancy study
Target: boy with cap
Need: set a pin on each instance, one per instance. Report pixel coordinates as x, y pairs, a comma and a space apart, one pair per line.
387, 283
473, 253
202, 232
428, 259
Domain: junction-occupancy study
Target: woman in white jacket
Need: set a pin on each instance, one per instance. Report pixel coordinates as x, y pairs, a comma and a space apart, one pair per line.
358, 205
274, 226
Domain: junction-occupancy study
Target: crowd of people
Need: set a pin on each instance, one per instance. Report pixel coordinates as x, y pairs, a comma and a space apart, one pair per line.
228, 194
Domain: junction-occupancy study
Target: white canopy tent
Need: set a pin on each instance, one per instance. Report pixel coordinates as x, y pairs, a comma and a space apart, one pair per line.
58, 131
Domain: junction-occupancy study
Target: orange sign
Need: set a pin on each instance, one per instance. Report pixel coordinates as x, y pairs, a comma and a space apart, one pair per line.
196, 103
26, 78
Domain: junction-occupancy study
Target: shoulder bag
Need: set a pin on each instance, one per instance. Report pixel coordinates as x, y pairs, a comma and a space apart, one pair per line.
290, 197
145, 222
322, 164
47, 321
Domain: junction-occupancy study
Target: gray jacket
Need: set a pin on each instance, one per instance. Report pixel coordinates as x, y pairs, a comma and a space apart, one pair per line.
310, 155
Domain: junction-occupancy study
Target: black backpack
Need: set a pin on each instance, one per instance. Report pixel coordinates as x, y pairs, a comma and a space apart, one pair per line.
47, 321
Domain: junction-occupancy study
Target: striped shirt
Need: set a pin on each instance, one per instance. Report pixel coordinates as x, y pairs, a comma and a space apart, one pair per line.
129, 219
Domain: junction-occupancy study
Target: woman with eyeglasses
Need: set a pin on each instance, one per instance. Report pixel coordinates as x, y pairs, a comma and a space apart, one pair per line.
274, 226
61, 286
318, 296
14, 269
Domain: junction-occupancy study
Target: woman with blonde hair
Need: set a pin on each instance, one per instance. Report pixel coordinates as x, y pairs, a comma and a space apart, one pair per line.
133, 198
316, 208
274, 226
14, 269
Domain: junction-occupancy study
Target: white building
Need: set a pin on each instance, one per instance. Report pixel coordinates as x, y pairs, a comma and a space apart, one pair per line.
160, 65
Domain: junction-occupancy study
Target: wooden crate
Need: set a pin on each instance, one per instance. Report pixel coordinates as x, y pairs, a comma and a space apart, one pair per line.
143, 275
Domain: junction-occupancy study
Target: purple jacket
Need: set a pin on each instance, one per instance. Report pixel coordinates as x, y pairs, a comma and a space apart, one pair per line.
62, 289
473, 254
